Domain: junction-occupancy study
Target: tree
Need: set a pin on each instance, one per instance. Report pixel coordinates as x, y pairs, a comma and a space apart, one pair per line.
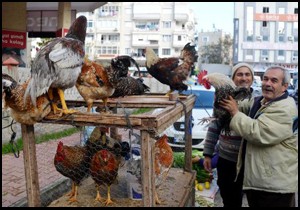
219, 53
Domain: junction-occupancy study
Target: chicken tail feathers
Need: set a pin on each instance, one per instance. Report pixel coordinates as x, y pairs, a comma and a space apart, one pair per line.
192, 50
145, 87
31, 91
78, 29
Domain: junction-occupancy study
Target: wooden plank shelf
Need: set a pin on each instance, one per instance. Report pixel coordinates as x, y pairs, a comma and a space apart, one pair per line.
170, 111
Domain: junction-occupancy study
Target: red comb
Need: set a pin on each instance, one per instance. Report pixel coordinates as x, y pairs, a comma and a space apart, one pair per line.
201, 74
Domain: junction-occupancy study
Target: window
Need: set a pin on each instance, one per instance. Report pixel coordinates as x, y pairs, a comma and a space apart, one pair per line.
140, 52
280, 38
249, 52
140, 25
296, 11
265, 9
108, 50
264, 53
281, 52
265, 24
179, 38
205, 39
166, 38
113, 38
295, 53
166, 24
166, 51
108, 11
265, 38
90, 24
127, 51
249, 24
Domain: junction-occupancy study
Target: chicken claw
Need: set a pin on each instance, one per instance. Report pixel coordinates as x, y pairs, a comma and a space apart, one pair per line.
206, 120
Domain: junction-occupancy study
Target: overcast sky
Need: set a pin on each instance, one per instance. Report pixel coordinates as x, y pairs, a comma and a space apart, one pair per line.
219, 14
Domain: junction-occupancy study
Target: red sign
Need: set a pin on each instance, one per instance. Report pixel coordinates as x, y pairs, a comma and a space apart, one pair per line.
62, 32
13, 39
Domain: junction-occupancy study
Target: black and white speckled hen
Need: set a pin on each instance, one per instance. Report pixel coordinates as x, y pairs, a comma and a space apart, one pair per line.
172, 71
57, 65
127, 85
224, 87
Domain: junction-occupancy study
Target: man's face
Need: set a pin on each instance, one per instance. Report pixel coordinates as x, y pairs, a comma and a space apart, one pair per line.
243, 77
272, 86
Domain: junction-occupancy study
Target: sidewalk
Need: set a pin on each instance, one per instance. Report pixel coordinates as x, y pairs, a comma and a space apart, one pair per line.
13, 174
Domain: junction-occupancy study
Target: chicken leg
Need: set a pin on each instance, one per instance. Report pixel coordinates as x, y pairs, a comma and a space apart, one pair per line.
74, 197
108, 201
65, 109
53, 104
98, 196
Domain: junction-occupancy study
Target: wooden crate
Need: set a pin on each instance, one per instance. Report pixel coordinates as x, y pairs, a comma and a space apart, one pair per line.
148, 124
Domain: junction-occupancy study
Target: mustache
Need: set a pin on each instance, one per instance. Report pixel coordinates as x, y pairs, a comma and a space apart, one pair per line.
267, 88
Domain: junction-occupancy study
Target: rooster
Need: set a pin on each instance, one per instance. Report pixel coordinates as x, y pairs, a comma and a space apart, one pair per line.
163, 160
58, 64
14, 99
224, 87
172, 71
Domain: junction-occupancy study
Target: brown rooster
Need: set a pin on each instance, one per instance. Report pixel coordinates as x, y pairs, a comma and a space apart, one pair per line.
163, 160
14, 99
104, 170
172, 71
57, 65
72, 162
224, 87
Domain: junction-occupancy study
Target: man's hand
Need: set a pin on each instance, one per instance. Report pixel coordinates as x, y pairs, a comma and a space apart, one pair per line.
230, 105
207, 164
195, 159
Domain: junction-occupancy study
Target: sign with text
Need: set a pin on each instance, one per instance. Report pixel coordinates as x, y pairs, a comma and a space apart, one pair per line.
13, 39
276, 17
44, 20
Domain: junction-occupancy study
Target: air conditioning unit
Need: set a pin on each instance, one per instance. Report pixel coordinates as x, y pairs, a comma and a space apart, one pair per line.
265, 58
290, 38
295, 59
259, 38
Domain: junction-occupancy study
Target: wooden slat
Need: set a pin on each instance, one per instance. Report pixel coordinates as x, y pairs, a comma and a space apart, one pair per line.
188, 143
147, 170
30, 165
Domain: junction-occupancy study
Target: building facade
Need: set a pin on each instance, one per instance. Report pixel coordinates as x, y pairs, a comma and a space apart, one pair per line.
126, 28
266, 33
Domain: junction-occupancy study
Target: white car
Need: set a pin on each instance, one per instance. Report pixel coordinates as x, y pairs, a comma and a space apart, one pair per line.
203, 108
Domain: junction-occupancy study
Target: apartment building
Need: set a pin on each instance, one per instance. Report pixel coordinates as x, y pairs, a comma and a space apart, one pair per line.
266, 33
126, 28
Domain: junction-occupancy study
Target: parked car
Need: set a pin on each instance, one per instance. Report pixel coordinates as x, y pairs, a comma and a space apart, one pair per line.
203, 108
143, 73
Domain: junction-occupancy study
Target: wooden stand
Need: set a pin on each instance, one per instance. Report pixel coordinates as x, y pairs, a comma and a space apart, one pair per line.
148, 124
